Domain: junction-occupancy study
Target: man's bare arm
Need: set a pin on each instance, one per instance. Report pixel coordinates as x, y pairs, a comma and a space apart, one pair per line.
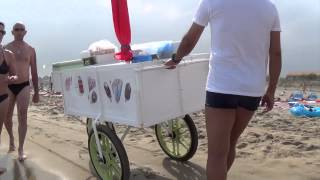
275, 61
34, 71
189, 41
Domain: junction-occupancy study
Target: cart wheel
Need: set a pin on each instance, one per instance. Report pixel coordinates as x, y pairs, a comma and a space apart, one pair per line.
89, 126
178, 138
115, 163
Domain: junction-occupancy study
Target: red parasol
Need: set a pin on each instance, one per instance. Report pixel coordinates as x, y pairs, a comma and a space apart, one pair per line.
122, 28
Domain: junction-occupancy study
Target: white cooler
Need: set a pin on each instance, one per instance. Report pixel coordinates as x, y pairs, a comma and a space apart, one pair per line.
139, 95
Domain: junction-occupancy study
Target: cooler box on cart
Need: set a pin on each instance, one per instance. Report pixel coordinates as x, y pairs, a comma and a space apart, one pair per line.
139, 95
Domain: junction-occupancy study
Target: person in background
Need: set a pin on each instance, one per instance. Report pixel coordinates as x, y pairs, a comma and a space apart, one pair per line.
7, 75
19, 92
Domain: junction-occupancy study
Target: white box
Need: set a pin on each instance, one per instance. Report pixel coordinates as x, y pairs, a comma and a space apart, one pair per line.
106, 59
56, 81
78, 99
157, 94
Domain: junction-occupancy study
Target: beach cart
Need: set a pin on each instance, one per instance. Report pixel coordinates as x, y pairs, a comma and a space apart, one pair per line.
136, 95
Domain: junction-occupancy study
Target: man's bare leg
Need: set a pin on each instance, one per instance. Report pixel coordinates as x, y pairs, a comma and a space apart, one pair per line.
22, 107
243, 117
8, 122
219, 126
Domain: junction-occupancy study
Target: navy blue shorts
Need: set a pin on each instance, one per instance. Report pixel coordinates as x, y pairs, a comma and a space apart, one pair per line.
229, 101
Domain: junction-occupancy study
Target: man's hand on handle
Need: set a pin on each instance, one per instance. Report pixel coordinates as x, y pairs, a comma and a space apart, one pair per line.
171, 64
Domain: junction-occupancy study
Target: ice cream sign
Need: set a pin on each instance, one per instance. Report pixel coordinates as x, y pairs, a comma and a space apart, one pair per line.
115, 90
80, 88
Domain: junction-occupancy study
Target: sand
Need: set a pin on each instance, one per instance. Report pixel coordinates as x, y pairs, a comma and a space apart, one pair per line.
275, 146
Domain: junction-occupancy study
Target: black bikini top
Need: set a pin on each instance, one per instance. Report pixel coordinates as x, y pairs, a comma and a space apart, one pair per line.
4, 68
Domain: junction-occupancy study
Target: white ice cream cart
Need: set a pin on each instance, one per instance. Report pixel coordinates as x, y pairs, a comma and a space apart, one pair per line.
137, 95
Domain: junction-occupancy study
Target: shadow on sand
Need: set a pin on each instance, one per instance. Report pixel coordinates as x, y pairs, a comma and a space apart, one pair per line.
179, 170
27, 170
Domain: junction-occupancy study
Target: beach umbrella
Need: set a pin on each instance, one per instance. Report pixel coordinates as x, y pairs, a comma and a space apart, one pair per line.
122, 28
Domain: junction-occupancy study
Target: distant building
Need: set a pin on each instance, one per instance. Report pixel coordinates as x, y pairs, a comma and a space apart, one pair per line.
312, 76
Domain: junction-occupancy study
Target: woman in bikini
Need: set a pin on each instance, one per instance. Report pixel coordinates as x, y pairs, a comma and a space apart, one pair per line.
7, 75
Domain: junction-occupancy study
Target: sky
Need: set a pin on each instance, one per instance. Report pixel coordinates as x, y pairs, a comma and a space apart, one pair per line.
60, 29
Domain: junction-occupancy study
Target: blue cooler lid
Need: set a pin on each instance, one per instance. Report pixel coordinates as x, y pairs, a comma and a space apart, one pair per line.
141, 58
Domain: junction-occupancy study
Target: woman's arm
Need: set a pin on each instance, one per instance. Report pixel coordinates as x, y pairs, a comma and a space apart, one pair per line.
12, 67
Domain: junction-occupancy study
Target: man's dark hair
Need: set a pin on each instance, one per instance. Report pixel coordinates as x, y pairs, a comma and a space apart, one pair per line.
2, 24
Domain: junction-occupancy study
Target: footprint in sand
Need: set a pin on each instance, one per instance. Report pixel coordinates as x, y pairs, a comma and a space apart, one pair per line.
267, 137
267, 149
243, 154
201, 136
242, 145
308, 147
148, 135
305, 138
57, 142
82, 153
77, 143
292, 142
48, 135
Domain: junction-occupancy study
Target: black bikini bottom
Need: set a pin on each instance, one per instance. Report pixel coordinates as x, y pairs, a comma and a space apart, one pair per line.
17, 88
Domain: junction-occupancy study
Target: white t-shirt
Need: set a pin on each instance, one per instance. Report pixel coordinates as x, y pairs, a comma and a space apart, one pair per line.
240, 42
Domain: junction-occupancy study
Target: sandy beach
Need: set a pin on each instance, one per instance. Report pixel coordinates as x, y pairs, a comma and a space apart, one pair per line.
143, 62
275, 146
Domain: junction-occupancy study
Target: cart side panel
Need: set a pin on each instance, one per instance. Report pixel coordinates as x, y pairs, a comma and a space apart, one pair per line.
193, 84
161, 98
80, 90
119, 90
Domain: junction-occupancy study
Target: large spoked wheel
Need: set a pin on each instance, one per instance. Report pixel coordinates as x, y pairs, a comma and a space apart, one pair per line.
115, 164
89, 125
178, 138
